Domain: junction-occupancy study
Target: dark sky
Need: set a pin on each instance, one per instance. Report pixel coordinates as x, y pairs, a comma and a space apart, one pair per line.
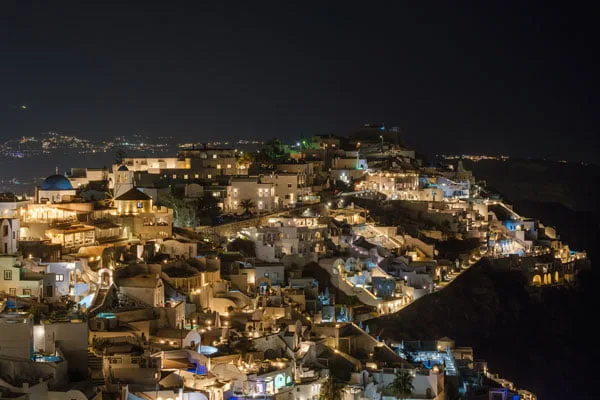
510, 78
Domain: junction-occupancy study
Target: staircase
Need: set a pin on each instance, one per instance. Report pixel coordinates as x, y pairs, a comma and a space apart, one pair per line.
95, 368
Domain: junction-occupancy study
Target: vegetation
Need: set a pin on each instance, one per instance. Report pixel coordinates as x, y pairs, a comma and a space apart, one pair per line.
120, 155
331, 390
184, 213
402, 385
247, 205
245, 160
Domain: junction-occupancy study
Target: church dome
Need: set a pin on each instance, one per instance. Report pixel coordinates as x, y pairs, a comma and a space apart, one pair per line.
56, 182
123, 168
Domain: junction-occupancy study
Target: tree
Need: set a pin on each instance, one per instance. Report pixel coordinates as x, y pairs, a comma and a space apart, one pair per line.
402, 384
120, 156
244, 161
184, 213
331, 389
247, 205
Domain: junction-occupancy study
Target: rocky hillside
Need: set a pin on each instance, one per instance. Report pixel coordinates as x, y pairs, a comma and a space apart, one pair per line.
539, 338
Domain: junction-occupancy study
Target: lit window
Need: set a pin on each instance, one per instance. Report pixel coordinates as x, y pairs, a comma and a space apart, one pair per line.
196, 176
174, 176
209, 176
60, 278
218, 166
228, 165
214, 156
140, 204
185, 176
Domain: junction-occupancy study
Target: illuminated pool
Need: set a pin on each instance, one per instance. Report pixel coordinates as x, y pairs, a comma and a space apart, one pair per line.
47, 359
106, 315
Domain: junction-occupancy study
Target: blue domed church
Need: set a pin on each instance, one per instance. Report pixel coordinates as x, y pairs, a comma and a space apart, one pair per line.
55, 189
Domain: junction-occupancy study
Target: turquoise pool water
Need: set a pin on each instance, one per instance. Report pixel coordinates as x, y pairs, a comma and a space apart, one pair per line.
106, 315
40, 358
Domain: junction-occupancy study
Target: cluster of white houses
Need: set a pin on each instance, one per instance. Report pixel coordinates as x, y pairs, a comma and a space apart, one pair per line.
102, 298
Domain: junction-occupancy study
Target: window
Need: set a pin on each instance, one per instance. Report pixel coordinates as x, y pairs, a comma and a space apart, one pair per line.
5, 230
228, 165
12, 291
60, 278
218, 166
209, 176
185, 176
214, 156
196, 176
289, 185
7, 275
140, 204
26, 292
174, 176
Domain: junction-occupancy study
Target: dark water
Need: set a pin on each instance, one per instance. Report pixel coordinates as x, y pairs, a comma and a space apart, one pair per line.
20, 175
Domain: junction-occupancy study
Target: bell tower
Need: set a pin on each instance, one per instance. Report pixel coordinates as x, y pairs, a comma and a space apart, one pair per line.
123, 180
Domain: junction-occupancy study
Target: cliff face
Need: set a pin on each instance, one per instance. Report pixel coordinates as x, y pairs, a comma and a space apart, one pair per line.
539, 338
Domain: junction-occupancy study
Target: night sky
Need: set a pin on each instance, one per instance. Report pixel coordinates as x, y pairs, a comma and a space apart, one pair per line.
474, 78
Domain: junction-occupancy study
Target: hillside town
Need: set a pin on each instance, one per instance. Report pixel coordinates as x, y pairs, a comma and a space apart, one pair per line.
218, 273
